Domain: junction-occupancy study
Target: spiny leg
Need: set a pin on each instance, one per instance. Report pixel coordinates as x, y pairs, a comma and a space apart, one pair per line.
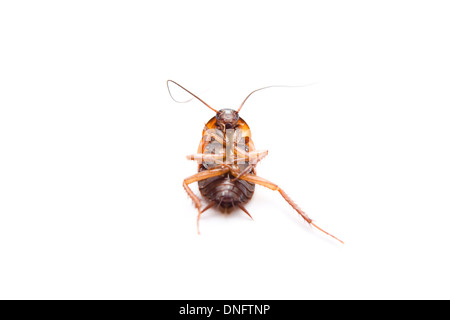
206, 157
273, 186
198, 177
253, 157
208, 206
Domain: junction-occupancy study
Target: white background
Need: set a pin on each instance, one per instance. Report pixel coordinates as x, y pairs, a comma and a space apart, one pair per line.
92, 149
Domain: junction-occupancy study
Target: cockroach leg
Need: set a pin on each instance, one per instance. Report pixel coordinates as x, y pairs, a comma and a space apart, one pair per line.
263, 182
246, 170
253, 156
208, 207
258, 155
202, 175
205, 157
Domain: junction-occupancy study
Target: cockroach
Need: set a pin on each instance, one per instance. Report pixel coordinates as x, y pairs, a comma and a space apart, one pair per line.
227, 161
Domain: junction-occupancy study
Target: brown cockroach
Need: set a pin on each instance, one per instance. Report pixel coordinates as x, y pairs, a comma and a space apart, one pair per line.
227, 159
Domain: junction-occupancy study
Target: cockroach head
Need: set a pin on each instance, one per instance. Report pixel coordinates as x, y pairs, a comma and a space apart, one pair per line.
227, 118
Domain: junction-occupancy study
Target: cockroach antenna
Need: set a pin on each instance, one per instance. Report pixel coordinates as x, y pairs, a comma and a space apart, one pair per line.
168, 88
